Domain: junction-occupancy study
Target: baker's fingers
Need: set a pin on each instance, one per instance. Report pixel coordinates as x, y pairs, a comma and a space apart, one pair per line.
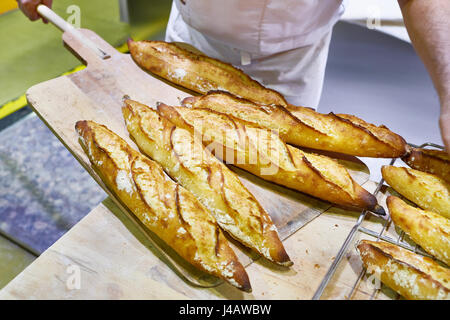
47, 3
28, 7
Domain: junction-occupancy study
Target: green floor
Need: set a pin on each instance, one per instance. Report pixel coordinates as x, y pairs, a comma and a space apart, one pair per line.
13, 260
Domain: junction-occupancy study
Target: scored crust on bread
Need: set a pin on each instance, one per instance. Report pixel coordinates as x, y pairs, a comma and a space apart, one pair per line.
426, 190
187, 161
163, 206
409, 274
436, 162
307, 128
198, 72
428, 229
303, 126
264, 154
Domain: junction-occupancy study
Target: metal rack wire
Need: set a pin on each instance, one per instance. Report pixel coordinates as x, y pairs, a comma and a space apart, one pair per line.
378, 235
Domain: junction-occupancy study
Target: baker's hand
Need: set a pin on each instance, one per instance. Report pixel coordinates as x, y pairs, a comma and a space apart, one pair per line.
444, 123
29, 8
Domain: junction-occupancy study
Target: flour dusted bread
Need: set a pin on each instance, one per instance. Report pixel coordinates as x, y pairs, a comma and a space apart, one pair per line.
163, 206
426, 190
436, 162
428, 229
220, 190
264, 154
247, 99
411, 275
198, 72
307, 128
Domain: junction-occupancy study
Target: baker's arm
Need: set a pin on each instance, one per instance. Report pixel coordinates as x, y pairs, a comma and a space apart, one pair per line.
29, 8
428, 25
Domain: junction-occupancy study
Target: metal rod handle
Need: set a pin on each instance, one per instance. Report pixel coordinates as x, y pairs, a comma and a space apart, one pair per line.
51, 16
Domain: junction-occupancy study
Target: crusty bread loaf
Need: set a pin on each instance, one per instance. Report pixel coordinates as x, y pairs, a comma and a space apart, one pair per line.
300, 126
219, 189
428, 229
307, 128
426, 190
163, 206
409, 274
432, 161
198, 72
264, 154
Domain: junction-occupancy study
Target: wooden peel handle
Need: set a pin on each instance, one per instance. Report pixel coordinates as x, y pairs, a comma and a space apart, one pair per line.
51, 16
64, 26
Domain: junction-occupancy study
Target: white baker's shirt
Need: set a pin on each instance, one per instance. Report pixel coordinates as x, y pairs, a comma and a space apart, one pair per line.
283, 44
262, 27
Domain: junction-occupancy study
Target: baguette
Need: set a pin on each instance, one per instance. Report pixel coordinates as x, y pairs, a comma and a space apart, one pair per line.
217, 188
426, 190
302, 126
305, 127
409, 274
163, 206
428, 229
264, 154
432, 161
198, 72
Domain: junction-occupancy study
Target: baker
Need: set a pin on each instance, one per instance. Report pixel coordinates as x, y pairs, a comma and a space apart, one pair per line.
284, 43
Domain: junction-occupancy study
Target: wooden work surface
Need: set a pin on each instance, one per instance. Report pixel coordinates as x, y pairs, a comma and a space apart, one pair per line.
116, 258
117, 262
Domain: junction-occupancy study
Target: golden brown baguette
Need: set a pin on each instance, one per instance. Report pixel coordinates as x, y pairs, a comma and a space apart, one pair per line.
264, 154
428, 229
163, 206
198, 72
432, 161
303, 126
426, 190
218, 188
409, 274
307, 128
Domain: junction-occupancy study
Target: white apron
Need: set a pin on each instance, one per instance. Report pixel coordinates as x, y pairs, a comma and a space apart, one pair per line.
281, 43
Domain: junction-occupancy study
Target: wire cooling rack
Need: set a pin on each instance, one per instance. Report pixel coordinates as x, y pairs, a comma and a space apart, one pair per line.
397, 238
